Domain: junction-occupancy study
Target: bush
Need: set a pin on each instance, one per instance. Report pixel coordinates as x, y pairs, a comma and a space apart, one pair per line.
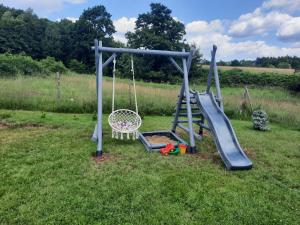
154, 76
284, 65
270, 66
294, 84
51, 65
237, 77
77, 66
260, 120
12, 65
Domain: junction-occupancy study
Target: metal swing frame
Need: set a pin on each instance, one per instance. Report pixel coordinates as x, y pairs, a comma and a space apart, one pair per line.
186, 58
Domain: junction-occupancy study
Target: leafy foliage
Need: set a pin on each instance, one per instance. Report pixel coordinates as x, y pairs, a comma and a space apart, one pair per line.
23, 32
76, 66
279, 62
51, 65
283, 65
12, 65
260, 120
157, 29
93, 23
238, 77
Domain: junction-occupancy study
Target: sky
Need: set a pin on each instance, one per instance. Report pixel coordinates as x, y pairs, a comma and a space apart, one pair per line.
242, 29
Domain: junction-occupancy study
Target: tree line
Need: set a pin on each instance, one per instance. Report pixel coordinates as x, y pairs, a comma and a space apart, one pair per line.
23, 32
283, 62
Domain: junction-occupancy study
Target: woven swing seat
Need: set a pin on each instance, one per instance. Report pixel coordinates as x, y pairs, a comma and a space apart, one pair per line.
124, 121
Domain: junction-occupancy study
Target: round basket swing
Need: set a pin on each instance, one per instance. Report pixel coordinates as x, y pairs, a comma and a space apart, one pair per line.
124, 122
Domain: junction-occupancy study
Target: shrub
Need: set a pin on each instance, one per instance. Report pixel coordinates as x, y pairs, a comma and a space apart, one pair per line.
51, 65
284, 65
270, 66
6, 68
12, 65
154, 76
294, 84
237, 77
77, 66
260, 120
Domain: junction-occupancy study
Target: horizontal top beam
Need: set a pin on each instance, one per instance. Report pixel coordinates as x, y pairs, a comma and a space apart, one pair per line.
144, 51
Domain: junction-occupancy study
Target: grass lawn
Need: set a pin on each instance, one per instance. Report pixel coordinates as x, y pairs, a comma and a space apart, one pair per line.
48, 176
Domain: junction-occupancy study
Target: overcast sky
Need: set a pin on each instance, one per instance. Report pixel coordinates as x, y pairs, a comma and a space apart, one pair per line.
242, 29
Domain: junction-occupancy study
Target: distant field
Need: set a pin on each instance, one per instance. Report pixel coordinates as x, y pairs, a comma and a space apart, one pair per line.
256, 69
78, 95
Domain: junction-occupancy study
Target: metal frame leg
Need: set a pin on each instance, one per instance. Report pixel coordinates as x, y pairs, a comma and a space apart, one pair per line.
188, 106
99, 99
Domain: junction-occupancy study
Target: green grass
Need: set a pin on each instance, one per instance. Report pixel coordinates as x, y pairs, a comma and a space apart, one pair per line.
255, 69
48, 176
78, 96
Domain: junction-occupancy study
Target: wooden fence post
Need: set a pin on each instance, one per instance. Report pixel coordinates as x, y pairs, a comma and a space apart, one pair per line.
58, 92
246, 98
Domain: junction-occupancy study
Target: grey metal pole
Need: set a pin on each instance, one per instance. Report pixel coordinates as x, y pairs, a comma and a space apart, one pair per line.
99, 99
217, 82
95, 136
178, 106
145, 52
211, 68
188, 106
108, 61
176, 65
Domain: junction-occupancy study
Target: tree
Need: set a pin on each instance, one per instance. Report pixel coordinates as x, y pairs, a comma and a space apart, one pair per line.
52, 41
221, 63
235, 63
284, 65
93, 23
22, 32
156, 29
65, 32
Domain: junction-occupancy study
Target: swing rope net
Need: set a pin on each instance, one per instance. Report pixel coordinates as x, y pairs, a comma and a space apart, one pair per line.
124, 122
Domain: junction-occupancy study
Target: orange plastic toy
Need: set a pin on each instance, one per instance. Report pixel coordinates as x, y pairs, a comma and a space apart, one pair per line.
182, 148
165, 151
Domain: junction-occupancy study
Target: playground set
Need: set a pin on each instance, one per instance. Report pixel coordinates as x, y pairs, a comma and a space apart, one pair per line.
204, 110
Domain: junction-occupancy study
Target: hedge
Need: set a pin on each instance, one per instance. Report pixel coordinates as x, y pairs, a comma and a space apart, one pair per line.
13, 65
238, 77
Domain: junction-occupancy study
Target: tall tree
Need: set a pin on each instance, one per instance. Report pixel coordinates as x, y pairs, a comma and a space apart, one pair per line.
93, 23
65, 32
156, 29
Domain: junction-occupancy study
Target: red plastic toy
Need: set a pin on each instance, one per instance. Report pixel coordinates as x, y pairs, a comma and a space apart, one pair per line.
167, 149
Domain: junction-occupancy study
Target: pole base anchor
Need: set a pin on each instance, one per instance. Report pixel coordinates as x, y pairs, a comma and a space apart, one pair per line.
98, 153
192, 150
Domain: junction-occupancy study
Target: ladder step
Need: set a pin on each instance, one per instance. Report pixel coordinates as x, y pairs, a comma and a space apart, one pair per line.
186, 121
185, 114
192, 95
191, 102
191, 109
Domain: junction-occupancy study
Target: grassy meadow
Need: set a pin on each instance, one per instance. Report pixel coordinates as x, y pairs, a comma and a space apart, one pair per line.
256, 69
78, 95
48, 176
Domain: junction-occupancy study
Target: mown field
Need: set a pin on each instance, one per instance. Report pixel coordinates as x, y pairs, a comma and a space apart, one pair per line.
48, 176
255, 69
78, 95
